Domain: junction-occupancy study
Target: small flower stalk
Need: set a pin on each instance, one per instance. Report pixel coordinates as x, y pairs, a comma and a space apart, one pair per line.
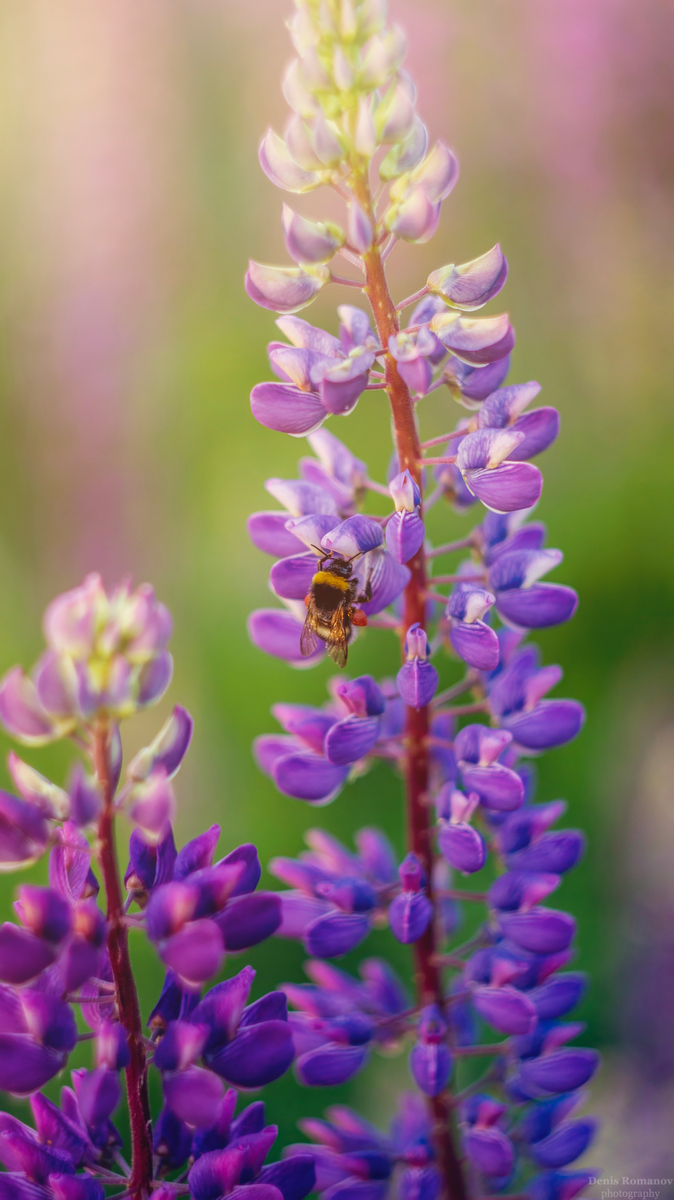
476, 838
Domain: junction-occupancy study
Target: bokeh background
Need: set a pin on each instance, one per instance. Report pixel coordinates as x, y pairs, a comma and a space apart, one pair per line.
130, 199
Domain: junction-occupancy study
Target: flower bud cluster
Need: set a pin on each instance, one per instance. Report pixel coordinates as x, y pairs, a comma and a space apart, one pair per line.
106, 657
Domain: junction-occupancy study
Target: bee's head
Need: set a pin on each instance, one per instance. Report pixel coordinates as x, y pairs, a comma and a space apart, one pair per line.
338, 566
342, 567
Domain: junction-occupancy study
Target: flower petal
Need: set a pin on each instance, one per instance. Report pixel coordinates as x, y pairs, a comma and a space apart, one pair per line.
283, 407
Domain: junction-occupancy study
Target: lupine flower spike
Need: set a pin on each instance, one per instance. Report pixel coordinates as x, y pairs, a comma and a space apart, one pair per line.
505, 993
338, 568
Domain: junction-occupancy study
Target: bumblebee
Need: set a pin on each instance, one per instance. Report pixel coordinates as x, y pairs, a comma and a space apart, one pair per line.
330, 607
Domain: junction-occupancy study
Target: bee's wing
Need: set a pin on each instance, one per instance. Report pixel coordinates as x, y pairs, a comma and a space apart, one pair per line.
338, 644
308, 638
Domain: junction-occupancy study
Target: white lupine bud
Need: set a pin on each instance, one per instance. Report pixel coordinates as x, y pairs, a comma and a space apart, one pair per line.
303, 30
341, 70
375, 68
408, 85
438, 173
359, 229
300, 146
394, 117
281, 168
397, 46
326, 143
325, 21
372, 16
365, 134
402, 159
348, 23
296, 92
314, 74
310, 241
415, 146
382, 55
415, 219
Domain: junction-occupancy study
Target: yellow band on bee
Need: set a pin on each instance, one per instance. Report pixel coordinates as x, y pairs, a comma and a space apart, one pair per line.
337, 581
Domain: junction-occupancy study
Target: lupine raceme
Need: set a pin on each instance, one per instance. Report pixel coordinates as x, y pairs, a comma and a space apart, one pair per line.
503, 995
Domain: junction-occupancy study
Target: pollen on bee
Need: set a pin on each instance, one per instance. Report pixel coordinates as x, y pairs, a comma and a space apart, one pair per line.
358, 617
307, 599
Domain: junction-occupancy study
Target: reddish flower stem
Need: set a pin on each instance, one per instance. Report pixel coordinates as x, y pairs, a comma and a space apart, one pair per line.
126, 995
428, 977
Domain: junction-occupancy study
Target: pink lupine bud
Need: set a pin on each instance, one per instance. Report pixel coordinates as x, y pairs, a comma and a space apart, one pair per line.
326, 141
474, 340
313, 72
85, 798
416, 643
359, 229
310, 241
21, 711
438, 173
394, 117
284, 289
382, 56
152, 803
472, 284
36, 789
341, 70
300, 146
409, 153
282, 169
405, 493
365, 134
415, 219
296, 91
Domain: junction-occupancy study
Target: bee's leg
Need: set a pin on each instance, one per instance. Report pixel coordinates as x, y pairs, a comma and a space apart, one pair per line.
367, 594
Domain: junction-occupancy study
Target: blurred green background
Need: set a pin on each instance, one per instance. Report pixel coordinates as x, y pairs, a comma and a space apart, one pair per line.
130, 199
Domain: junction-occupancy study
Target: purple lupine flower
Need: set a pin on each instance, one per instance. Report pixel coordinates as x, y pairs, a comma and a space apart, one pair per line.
411, 911
354, 1159
312, 760
473, 284
335, 895
502, 483
430, 1058
477, 749
477, 341
520, 599
247, 1045
205, 909
318, 374
552, 1139
340, 1018
504, 408
473, 640
461, 845
413, 353
417, 679
515, 696
405, 529
192, 1094
487, 1146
